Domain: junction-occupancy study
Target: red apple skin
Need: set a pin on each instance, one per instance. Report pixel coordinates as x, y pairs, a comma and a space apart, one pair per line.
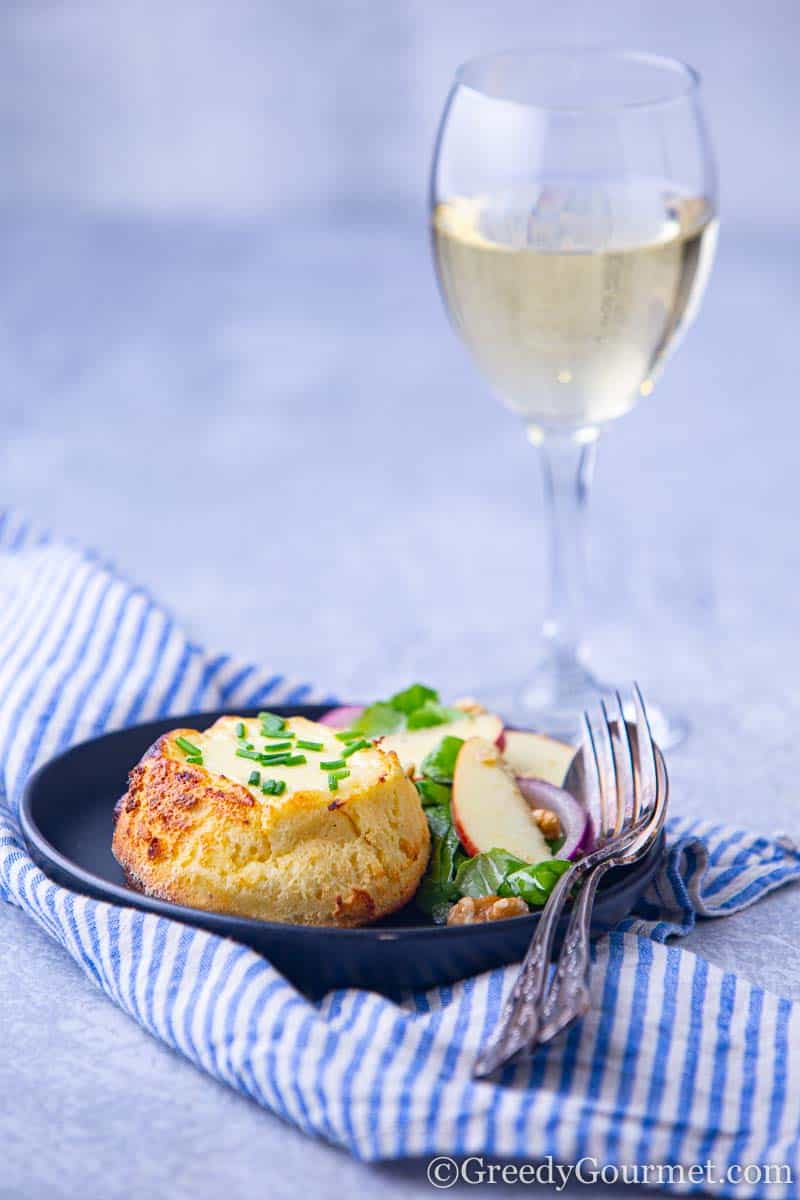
463, 837
466, 841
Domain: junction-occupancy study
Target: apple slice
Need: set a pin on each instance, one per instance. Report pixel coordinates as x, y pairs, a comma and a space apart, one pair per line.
489, 810
536, 756
412, 745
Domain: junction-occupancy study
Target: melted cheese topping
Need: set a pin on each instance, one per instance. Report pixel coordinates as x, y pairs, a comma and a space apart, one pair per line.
220, 743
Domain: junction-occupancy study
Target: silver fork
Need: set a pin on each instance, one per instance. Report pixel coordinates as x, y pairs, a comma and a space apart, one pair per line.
569, 997
628, 781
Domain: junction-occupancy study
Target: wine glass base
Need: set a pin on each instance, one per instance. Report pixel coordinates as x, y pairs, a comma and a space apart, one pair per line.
554, 699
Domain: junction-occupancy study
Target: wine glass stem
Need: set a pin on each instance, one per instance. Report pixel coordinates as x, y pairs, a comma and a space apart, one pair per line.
568, 466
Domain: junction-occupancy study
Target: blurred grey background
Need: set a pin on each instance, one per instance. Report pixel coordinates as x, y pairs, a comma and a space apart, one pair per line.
324, 112
217, 305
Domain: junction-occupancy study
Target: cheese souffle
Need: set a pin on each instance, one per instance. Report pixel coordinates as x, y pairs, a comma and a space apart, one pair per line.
273, 818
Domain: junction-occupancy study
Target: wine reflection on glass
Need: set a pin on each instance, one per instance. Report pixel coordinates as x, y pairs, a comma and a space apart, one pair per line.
573, 216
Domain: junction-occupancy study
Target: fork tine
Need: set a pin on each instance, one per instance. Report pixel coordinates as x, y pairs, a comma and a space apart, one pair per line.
625, 767
648, 771
610, 780
590, 759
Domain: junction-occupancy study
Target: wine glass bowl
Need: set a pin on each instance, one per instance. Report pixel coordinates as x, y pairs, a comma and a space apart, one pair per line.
573, 219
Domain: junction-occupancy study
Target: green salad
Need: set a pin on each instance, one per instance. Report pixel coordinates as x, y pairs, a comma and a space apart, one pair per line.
453, 873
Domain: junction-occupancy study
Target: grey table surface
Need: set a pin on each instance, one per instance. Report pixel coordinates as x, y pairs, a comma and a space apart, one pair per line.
197, 379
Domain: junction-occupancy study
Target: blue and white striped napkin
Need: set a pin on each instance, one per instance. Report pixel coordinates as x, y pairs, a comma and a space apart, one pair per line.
677, 1062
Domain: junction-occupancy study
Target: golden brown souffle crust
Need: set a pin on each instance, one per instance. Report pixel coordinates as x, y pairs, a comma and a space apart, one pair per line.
202, 840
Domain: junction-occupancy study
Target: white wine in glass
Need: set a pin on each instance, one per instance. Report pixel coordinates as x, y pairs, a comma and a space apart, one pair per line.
573, 215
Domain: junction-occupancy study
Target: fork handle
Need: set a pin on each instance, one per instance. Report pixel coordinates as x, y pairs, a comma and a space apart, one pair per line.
519, 1021
569, 996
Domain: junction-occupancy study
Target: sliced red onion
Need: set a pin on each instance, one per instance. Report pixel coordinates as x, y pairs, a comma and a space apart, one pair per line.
575, 824
341, 717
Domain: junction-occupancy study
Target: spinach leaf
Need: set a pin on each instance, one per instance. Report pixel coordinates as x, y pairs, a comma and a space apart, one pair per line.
432, 713
412, 698
440, 764
377, 720
433, 793
483, 874
440, 821
435, 898
438, 889
416, 707
496, 872
534, 883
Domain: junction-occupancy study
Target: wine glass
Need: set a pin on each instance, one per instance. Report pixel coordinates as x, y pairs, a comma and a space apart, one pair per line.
573, 217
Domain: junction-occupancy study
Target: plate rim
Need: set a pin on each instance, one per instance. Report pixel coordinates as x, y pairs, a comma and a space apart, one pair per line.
42, 849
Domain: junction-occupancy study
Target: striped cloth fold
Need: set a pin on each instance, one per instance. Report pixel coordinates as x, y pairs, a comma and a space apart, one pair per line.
677, 1062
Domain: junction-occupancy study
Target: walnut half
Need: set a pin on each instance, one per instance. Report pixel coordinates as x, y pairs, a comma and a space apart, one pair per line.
548, 822
472, 911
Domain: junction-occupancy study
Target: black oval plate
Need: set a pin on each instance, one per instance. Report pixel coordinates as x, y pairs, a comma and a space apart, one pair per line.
67, 814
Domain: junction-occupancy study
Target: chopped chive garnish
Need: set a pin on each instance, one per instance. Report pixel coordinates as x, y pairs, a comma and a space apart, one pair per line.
241, 729
347, 735
332, 764
195, 760
278, 733
186, 746
273, 787
296, 760
278, 747
333, 783
253, 754
342, 773
274, 760
302, 744
363, 744
271, 722
254, 779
